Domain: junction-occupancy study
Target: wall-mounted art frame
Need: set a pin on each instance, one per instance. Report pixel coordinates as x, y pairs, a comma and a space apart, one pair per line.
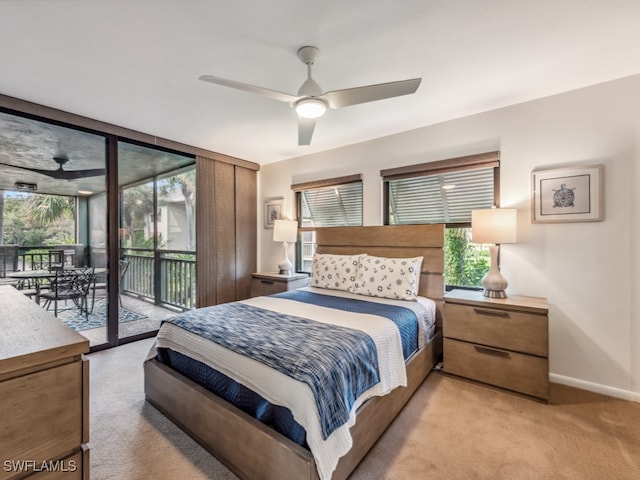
567, 195
273, 210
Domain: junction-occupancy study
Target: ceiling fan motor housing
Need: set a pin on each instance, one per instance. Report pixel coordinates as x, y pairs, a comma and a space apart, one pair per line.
308, 54
60, 160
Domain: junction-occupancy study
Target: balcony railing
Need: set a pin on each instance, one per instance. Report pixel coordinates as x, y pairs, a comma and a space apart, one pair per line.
45, 258
307, 250
166, 278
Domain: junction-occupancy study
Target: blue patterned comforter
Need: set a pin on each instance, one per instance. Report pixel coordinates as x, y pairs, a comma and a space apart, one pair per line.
337, 363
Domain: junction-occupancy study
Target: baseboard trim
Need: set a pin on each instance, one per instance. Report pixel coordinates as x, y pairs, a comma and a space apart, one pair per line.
595, 387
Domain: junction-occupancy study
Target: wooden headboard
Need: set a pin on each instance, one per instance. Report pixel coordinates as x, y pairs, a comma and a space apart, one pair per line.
397, 241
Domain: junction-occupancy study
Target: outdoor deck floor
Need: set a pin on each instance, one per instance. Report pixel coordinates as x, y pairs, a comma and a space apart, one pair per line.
153, 315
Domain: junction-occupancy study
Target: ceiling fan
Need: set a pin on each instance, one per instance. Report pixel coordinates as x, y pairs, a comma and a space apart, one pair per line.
61, 174
311, 102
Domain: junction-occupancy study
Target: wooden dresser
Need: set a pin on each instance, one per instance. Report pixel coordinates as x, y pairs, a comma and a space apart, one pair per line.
44, 394
270, 283
503, 342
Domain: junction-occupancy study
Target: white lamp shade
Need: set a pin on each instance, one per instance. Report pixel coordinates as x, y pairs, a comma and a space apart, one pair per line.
494, 225
285, 231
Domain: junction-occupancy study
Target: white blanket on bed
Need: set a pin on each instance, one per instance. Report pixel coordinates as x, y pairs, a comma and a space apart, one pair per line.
280, 389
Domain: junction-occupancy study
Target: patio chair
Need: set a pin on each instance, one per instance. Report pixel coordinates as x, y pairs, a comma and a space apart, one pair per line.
50, 260
70, 286
56, 260
124, 265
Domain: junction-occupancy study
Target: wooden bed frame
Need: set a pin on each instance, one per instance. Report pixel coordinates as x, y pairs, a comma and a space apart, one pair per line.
256, 452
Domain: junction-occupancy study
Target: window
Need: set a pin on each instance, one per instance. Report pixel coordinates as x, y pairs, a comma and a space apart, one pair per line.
446, 191
326, 203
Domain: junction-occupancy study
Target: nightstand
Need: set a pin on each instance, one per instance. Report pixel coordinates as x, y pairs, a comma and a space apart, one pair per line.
269, 283
499, 341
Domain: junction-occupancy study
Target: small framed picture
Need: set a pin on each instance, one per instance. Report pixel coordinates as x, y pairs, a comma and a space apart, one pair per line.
272, 211
567, 195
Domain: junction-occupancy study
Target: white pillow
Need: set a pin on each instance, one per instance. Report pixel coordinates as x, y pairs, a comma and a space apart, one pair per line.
336, 272
397, 278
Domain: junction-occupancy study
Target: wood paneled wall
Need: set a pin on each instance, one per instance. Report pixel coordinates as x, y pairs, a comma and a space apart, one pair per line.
246, 233
226, 236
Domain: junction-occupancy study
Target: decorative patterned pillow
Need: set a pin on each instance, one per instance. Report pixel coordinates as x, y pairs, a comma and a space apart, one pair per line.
336, 272
397, 278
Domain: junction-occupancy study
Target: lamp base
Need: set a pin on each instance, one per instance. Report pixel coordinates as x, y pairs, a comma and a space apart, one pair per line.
494, 293
493, 282
285, 266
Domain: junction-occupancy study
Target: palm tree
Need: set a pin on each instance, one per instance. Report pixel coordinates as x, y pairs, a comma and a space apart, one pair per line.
188, 187
137, 206
186, 182
49, 208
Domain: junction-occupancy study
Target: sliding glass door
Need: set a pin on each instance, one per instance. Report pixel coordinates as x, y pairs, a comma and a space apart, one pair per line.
73, 198
53, 214
156, 237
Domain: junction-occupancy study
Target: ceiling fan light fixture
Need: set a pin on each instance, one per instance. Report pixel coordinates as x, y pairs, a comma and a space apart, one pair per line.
26, 187
311, 107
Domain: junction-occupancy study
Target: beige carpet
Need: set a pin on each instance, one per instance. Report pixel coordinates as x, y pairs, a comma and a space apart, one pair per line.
451, 429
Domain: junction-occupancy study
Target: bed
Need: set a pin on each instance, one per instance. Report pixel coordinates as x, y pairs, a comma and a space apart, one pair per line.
253, 450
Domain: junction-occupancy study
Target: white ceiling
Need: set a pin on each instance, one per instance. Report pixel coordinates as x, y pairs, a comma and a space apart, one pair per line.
135, 63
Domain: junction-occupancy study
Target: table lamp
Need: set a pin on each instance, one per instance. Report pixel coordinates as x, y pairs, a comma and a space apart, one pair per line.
494, 226
285, 231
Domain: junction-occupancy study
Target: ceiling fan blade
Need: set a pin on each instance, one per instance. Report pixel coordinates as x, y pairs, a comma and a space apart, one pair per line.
245, 87
49, 173
74, 174
305, 130
62, 174
371, 93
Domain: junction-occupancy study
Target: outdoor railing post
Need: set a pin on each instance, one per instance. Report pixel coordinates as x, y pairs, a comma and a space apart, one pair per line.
157, 278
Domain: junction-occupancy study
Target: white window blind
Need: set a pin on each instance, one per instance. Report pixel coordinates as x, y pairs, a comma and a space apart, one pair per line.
333, 202
440, 198
339, 205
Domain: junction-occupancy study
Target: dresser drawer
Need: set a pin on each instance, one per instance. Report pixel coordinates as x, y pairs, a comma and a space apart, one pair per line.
522, 373
505, 329
42, 415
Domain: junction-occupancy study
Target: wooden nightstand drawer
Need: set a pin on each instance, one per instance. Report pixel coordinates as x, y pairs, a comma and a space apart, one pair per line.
522, 373
506, 329
270, 283
500, 341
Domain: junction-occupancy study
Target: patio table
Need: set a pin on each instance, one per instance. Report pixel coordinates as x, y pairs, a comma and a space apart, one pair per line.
36, 276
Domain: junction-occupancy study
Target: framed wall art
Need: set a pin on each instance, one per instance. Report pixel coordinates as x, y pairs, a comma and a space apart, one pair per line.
272, 211
567, 195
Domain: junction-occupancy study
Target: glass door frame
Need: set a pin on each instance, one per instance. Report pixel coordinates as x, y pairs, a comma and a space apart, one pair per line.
112, 134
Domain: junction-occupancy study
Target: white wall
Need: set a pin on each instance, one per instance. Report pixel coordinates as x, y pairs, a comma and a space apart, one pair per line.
587, 271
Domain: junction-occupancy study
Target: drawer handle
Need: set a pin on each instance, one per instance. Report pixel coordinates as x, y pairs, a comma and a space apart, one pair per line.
491, 313
267, 282
491, 351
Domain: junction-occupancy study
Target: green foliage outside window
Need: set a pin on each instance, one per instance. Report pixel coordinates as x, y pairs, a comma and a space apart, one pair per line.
37, 219
465, 263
